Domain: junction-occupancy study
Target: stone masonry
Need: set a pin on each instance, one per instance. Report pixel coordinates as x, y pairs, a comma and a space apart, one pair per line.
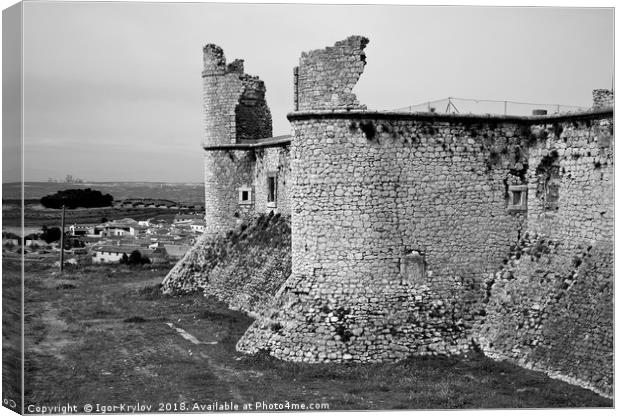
237, 122
325, 77
423, 233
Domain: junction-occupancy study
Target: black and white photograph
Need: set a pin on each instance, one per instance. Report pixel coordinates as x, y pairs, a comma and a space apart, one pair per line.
218, 207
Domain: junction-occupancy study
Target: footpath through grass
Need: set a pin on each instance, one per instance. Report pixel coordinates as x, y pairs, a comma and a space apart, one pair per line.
103, 335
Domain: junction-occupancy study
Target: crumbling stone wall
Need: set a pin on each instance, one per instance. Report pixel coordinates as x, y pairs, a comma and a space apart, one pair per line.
325, 77
244, 267
234, 102
235, 112
227, 171
551, 305
427, 234
272, 162
431, 234
406, 241
603, 98
374, 200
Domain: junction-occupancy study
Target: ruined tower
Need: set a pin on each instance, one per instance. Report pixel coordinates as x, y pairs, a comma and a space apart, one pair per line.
235, 114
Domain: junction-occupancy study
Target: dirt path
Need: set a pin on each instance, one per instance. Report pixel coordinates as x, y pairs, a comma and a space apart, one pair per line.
187, 343
56, 336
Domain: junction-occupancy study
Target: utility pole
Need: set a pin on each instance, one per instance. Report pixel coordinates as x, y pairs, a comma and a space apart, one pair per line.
62, 239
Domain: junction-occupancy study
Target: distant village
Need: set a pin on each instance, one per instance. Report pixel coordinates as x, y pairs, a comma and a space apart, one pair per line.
156, 239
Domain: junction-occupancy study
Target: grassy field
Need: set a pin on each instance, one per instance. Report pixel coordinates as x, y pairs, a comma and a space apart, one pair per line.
11, 331
36, 216
104, 335
185, 193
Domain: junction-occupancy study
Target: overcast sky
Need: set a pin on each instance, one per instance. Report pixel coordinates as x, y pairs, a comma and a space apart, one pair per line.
113, 90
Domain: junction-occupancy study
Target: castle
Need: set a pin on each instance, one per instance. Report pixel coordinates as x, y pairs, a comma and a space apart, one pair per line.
418, 233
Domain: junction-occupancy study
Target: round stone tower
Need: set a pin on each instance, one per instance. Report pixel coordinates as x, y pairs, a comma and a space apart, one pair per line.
235, 112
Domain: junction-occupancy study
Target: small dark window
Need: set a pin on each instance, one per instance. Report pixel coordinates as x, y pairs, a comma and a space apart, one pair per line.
271, 189
245, 195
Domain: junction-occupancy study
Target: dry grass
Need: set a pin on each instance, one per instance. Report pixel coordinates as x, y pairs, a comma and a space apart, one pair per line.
108, 341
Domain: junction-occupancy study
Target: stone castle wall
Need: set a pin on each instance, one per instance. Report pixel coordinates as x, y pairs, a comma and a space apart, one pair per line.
225, 172
551, 305
274, 161
404, 237
235, 111
603, 98
325, 77
234, 105
228, 171
426, 233
387, 230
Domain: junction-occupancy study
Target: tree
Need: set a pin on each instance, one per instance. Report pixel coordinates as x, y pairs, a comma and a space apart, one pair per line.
124, 259
137, 258
49, 235
73, 198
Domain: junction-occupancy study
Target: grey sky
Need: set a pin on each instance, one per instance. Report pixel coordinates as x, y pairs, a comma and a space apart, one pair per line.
113, 90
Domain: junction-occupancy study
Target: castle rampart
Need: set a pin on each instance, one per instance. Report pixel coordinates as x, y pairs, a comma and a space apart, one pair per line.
425, 233
408, 232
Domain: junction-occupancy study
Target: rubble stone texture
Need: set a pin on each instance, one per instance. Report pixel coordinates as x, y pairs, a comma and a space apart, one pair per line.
325, 77
434, 234
603, 98
244, 267
235, 111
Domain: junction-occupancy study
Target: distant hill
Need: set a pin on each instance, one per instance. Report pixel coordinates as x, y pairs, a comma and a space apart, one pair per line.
183, 193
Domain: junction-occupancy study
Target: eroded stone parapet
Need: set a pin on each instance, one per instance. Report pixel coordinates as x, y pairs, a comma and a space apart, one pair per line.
325, 77
234, 102
603, 98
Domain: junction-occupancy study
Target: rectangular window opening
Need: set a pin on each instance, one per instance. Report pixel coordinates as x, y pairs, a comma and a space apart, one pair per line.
518, 198
245, 195
271, 189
